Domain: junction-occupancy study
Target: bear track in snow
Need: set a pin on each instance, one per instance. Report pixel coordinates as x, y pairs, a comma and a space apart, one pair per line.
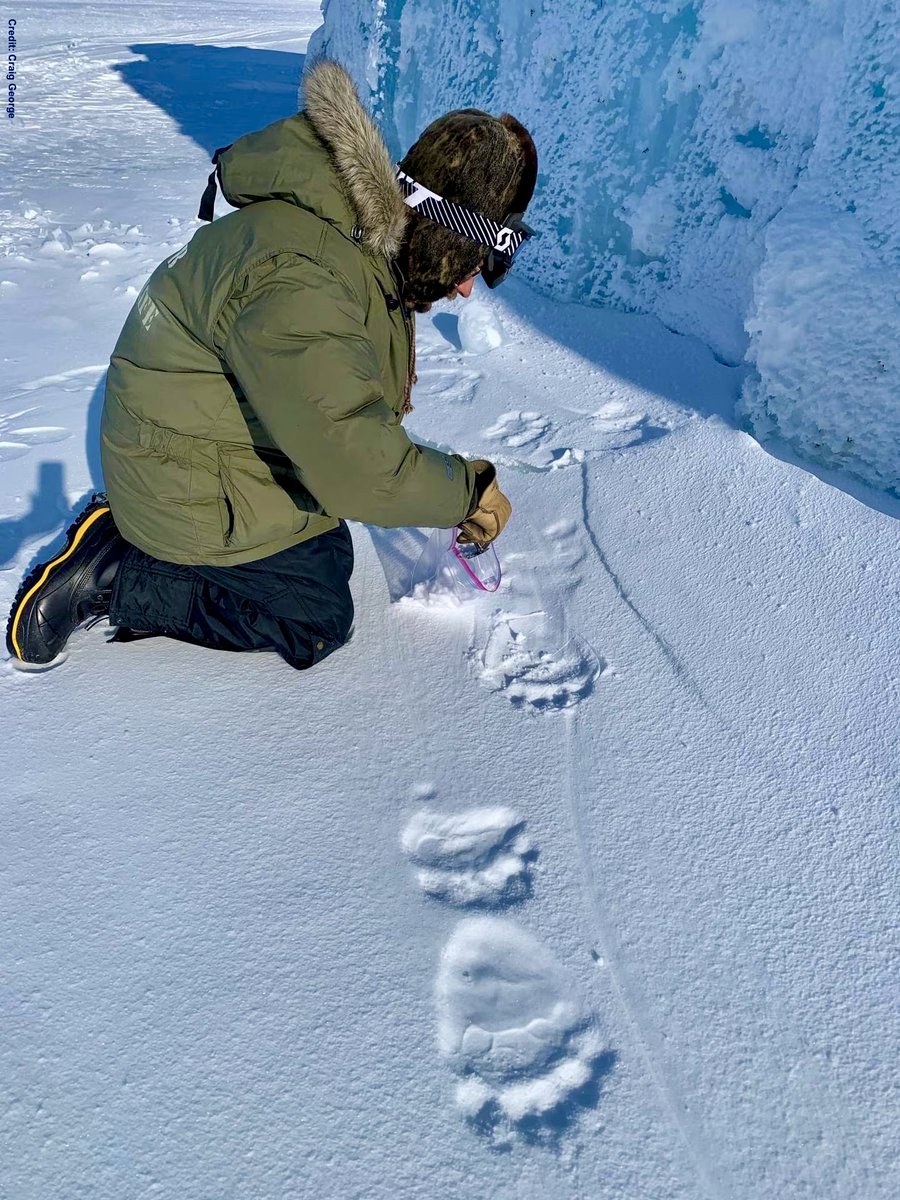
511, 1026
515, 662
478, 856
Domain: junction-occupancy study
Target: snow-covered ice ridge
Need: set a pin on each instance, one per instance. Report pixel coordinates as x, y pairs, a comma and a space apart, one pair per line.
727, 166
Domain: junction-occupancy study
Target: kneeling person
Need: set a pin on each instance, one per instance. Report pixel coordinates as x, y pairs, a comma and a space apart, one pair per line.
256, 394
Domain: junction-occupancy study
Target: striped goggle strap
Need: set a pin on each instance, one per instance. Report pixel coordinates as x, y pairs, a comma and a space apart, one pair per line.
501, 239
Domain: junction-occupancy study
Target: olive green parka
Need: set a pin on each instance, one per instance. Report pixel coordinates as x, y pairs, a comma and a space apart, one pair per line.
257, 390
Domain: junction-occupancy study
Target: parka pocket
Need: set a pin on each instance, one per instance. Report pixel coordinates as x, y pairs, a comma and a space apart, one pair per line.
165, 487
259, 505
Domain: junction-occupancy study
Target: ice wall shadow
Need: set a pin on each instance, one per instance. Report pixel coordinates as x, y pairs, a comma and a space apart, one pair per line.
883, 502
618, 343
215, 93
447, 325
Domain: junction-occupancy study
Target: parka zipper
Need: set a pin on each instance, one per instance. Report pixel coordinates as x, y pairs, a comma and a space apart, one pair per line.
409, 326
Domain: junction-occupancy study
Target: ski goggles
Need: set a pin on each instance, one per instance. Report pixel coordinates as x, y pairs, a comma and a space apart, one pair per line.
502, 241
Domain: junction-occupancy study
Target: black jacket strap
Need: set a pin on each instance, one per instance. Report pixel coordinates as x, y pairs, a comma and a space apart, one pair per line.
208, 199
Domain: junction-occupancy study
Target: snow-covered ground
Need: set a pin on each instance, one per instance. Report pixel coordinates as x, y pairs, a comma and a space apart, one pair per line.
585, 888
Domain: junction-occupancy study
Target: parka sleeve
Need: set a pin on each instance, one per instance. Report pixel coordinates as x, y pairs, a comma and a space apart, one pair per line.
300, 351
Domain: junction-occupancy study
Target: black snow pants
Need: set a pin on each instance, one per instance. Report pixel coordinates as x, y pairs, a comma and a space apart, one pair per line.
296, 602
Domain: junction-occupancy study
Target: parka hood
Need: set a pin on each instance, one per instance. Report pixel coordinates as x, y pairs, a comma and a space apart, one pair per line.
329, 159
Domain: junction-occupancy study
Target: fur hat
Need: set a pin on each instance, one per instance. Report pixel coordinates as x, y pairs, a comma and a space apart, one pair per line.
485, 163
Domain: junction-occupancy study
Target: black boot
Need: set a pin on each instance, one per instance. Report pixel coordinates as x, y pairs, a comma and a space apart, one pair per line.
61, 594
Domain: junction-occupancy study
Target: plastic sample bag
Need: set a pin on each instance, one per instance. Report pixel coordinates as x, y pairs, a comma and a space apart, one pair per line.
459, 569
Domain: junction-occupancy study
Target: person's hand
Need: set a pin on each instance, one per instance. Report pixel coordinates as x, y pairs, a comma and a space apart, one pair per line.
490, 508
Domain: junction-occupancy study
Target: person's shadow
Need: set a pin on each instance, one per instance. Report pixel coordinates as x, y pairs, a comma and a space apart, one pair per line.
47, 507
49, 510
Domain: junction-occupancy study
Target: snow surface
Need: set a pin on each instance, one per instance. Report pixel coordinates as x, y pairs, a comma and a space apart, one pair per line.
727, 165
651, 783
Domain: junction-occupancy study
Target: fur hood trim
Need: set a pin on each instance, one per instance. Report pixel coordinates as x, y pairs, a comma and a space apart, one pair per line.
359, 154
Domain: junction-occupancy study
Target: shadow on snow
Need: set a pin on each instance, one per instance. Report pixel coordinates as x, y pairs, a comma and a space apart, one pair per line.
216, 93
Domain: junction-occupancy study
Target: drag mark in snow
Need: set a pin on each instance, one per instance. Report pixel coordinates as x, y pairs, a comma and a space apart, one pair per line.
512, 1027
474, 857
518, 661
674, 661
644, 1035
567, 549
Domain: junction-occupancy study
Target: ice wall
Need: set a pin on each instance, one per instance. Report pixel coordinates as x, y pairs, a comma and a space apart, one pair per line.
728, 165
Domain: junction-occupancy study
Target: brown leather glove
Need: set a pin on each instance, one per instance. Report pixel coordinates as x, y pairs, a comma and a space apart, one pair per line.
490, 508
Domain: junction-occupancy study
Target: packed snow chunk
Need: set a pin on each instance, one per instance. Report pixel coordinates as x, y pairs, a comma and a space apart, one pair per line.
57, 242
107, 250
438, 840
480, 329
471, 857
498, 880
472, 1096
534, 1097
853, 351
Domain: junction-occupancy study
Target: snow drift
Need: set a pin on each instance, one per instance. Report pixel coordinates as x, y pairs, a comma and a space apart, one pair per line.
727, 165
